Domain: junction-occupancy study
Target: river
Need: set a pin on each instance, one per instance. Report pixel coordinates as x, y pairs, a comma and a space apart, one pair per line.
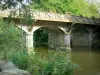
88, 60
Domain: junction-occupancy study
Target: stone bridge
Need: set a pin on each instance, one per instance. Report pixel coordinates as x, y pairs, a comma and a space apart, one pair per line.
63, 29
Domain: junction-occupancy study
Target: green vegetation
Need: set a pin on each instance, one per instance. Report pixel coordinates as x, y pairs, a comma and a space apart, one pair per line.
10, 37
51, 64
74, 7
40, 38
12, 48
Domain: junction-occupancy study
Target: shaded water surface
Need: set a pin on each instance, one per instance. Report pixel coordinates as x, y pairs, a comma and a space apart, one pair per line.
89, 60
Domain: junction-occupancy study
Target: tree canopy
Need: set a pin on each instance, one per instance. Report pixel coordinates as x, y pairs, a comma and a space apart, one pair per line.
75, 7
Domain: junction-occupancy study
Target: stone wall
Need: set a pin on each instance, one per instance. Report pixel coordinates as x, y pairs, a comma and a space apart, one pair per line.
55, 40
80, 39
8, 68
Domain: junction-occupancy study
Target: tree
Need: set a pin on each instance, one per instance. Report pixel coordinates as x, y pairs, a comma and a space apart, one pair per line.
5, 4
92, 11
22, 11
75, 7
19, 5
9, 37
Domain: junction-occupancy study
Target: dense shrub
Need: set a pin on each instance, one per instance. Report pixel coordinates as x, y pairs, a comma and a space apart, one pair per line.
10, 38
53, 64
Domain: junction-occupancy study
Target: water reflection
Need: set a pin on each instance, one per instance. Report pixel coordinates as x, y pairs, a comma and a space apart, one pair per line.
89, 60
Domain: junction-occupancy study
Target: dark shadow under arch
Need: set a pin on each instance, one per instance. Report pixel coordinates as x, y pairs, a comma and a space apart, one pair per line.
41, 35
40, 38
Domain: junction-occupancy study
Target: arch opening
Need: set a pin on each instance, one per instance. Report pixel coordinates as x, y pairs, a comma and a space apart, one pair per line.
48, 36
40, 38
80, 36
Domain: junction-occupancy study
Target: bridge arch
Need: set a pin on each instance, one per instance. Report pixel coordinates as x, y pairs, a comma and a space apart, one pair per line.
55, 36
81, 36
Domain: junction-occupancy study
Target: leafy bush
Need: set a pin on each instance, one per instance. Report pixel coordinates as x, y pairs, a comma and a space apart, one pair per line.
10, 38
48, 65
19, 58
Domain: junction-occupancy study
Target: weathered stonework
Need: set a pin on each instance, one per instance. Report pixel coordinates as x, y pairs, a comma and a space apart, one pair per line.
8, 68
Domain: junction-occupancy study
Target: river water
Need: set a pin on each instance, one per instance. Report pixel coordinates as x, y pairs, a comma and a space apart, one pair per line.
88, 60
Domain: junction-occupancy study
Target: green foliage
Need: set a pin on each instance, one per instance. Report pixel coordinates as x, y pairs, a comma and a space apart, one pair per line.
10, 37
91, 11
5, 4
75, 7
28, 18
19, 58
24, 13
52, 64
11, 46
40, 37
